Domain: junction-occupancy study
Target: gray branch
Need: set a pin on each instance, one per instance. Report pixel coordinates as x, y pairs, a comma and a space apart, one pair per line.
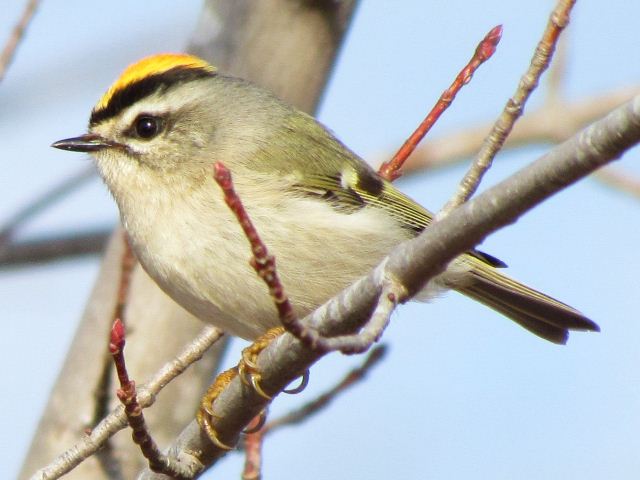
56, 247
415, 262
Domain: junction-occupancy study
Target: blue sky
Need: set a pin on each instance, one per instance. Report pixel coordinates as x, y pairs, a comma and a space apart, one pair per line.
464, 392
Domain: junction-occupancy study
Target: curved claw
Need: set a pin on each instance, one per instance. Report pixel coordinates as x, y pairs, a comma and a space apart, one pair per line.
304, 381
248, 367
205, 424
251, 378
248, 361
205, 413
262, 419
255, 384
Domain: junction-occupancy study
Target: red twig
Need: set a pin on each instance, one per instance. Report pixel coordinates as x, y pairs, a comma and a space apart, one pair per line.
265, 266
253, 455
391, 170
9, 50
158, 462
514, 108
116, 348
263, 263
127, 394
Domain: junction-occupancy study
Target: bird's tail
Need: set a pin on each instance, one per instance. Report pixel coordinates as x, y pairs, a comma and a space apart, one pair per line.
535, 311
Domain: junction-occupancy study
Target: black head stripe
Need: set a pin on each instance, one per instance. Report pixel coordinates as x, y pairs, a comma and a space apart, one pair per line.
144, 87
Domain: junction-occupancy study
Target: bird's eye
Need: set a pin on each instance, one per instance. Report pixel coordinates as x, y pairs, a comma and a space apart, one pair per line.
147, 126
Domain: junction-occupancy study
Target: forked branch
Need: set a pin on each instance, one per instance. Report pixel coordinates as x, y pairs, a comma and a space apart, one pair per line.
514, 108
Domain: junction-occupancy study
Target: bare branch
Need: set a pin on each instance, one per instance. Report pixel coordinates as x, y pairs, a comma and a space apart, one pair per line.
47, 249
414, 262
371, 331
549, 124
128, 395
513, 109
322, 401
557, 71
117, 420
262, 262
9, 50
620, 180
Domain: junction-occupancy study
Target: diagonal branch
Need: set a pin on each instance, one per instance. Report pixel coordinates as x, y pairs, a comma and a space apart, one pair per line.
262, 261
415, 262
254, 441
9, 50
117, 420
322, 401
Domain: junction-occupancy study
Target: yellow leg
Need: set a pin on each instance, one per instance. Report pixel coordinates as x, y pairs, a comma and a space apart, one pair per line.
249, 374
248, 367
205, 413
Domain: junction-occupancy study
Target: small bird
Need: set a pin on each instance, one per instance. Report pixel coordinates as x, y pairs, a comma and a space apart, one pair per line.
324, 213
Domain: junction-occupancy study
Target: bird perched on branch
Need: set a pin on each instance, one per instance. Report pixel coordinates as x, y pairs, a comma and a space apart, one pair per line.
324, 213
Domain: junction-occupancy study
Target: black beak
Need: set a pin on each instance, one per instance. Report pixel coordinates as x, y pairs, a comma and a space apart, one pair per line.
88, 142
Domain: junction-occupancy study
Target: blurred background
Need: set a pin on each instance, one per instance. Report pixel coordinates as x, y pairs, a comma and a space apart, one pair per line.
463, 392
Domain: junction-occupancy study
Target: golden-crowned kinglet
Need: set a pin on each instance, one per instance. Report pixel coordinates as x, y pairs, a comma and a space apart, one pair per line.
322, 211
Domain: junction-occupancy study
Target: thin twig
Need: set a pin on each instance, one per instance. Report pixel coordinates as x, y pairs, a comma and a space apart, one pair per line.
158, 462
391, 294
9, 50
264, 264
391, 170
549, 124
354, 376
417, 261
620, 180
513, 109
253, 441
55, 248
253, 455
117, 420
557, 72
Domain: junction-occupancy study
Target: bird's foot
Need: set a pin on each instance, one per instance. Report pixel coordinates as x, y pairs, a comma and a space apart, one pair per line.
248, 366
205, 413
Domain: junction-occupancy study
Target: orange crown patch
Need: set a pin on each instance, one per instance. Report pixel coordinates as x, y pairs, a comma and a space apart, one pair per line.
152, 65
